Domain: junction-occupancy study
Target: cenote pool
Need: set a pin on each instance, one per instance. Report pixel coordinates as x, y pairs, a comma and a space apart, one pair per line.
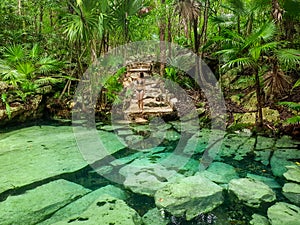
147, 176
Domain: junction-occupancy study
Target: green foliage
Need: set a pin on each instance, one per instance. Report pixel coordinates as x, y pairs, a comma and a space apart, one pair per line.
297, 84
289, 57
113, 86
7, 106
24, 69
295, 106
291, 105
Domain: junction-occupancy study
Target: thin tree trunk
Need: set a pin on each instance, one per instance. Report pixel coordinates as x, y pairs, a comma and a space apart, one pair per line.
19, 7
41, 18
239, 24
51, 18
162, 30
169, 31
259, 122
196, 41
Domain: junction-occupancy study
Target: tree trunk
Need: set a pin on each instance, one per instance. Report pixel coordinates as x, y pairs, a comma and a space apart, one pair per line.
196, 41
162, 30
276, 11
169, 31
259, 121
41, 18
19, 7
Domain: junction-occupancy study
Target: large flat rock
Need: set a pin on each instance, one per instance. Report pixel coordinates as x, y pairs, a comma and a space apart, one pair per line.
82, 204
189, 196
37, 204
284, 214
251, 192
36, 153
105, 210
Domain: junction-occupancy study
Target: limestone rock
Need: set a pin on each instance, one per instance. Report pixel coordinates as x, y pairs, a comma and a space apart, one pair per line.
144, 177
272, 183
82, 204
189, 196
236, 146
259, 220
282, 158
32, 157
105, 210
264, 143
37, 204
283, 213
293, 173
154, 216
220, 173
251, 192
286, 142
292, 192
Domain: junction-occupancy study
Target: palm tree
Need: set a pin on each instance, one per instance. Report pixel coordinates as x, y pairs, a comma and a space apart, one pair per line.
28, 71
121, 11
189, 11
248, 52
84, 25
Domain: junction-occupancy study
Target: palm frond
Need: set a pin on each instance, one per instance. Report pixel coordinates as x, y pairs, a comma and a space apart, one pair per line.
47, 65
35, 51
14, 53
293, 120
224, 20
42, 81
226, 52
26, 68
291, 105
238, 6
288, 57
264, 33
297, 84
245, 61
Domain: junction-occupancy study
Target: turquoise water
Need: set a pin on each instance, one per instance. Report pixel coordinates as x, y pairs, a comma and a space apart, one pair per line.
37, 155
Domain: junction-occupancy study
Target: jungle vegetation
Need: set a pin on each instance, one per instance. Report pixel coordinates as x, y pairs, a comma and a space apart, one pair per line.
47, 45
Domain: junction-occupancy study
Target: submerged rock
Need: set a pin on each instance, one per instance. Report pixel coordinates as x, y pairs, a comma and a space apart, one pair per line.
82, 204
251, 192
282, 158
292, 192
272, 183
259, 220
236, 146
144, 177
189, 196
284, 214
105, 210
293, 173
37, 204
220, 173
155, 216
37, 153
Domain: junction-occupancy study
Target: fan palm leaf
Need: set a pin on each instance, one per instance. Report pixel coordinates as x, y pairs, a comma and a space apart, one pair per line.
47, 65
288, 57
14, 53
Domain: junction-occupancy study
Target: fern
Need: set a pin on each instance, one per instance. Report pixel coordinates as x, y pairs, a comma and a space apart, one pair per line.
291, 105
293, 120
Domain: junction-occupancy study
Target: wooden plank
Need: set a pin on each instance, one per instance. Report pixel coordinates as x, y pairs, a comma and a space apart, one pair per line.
139, 70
